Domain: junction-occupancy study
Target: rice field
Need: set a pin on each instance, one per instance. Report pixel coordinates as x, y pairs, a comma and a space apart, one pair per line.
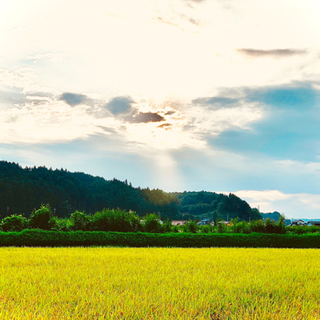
159, 283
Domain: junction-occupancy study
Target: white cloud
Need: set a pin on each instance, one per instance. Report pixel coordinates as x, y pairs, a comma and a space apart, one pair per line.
26, 79
52, 120
54, 57
270, 195
205, 120
157, 51
44, 121
119, 47
298, 166
298, 205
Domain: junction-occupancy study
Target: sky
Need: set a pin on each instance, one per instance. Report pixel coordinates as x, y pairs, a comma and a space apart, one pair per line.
181, 95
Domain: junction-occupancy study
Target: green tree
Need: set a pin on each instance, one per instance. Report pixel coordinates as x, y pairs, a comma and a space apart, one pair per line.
14, 223
167, 226
240, 226
62, 224
281, 226
255, 214
152, 223
191, 226
116, 220
257, 226
208, 228
42, 218
222, 228
81, 221
270, 226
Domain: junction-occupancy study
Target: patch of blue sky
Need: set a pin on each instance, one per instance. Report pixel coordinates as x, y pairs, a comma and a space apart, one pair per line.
297, 98
290, 129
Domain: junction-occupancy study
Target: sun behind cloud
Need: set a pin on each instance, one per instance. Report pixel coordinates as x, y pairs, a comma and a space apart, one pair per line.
168, 133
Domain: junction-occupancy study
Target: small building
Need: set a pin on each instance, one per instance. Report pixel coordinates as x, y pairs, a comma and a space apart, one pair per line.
143, 221
227, 223
204, 222
314, 223
298, 222
178, 222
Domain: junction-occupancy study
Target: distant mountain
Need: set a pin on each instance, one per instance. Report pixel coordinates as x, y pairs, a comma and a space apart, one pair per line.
215, 206
271, 215
23, 189
275, 216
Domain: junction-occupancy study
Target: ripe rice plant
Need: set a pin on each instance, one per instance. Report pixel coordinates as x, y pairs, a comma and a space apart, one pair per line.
159, 283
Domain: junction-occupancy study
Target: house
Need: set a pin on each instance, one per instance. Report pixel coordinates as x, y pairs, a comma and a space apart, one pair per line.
314, 223
204, 222
143, 221
298, 222
178, 222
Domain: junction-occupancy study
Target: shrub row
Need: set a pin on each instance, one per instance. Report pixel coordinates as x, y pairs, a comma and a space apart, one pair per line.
45, 238
123, 221
105, 220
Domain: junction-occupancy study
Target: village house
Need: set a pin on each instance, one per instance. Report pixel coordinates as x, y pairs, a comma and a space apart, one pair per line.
205, 222
178, 222
314, 223
227, 223
298, 222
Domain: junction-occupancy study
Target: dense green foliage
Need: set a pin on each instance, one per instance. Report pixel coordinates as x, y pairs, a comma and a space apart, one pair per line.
14, 222
42, 218
80, 221
124, 221
215, 206
151, 223
302, 229
116, 220
138, 239
121, 228
24, 189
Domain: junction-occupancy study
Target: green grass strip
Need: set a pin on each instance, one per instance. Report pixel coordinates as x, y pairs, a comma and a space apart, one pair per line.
42, 238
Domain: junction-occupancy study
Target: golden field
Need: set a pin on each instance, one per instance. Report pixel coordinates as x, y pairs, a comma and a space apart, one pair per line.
159, 283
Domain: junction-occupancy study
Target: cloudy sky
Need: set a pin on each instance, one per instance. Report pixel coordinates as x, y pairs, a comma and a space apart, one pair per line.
216, 95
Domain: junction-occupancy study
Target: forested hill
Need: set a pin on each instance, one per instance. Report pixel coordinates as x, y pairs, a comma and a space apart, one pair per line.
215, 206
271, 215
23, 189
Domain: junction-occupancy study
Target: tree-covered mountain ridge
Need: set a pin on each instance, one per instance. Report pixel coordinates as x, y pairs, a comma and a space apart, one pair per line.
24, 189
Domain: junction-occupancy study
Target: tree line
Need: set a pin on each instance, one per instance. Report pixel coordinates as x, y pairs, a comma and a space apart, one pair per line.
24, 189
123, 221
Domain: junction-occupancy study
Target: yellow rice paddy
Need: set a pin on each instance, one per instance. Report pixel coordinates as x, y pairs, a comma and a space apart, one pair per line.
159, 283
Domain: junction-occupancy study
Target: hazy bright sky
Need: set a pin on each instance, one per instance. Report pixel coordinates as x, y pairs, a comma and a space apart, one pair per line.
215, 95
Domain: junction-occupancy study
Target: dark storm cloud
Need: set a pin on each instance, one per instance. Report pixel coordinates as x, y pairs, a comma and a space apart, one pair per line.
215, 101
142, 117
119, 105
169, 113
73, 99
275, 53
